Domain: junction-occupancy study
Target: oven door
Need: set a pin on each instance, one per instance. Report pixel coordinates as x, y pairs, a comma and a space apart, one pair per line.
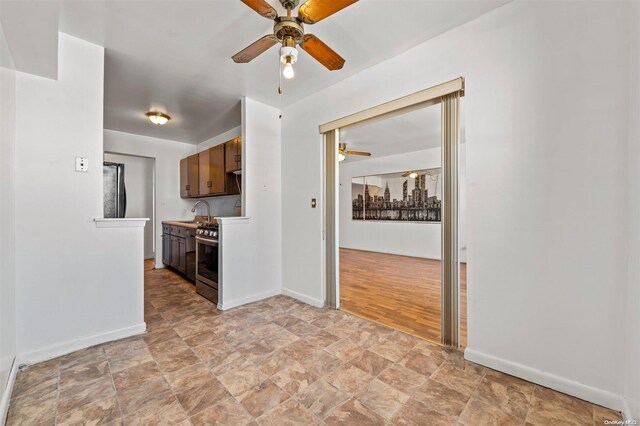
207, 261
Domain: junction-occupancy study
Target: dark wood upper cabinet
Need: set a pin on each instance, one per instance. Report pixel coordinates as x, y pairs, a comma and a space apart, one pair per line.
211, 171
189, 176
233, 155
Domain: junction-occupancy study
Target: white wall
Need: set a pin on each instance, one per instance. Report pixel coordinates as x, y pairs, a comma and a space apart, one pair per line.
546, 106
167, 155
251, 246
77, 284
409, 238
7, 218
138, 179
632, 320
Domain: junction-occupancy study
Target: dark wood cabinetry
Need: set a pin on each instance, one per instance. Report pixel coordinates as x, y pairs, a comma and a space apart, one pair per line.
179, 249
189, 178
233, 155
210, 173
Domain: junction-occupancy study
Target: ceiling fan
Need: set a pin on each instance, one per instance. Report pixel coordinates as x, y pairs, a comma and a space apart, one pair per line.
411, 173
343, 152
289, 32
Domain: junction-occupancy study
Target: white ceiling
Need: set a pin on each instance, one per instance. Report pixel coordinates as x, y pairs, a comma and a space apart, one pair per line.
407, 132
175, 55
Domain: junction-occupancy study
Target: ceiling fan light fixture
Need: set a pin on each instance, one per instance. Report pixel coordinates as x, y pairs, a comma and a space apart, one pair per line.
158, 118
288, 56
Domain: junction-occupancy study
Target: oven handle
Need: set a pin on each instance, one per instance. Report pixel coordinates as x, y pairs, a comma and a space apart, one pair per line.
206, 240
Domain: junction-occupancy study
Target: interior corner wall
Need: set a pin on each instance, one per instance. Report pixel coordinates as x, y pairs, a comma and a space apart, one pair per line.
138, 180
167, 155
7, 219
632, 320
547, 245
416, 239
78, 284
251, 246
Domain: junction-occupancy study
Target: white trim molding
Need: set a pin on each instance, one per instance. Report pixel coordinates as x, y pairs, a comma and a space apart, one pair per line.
121, 222
75, 345
561, 384
303, 298
254, 298
8, 390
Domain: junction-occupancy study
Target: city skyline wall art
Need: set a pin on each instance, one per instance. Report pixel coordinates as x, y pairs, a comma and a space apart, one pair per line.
392, 197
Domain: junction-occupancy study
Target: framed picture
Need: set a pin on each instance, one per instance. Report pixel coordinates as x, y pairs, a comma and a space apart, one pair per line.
400, 197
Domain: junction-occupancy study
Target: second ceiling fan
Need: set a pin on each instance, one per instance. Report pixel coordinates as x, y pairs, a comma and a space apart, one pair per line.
288, 30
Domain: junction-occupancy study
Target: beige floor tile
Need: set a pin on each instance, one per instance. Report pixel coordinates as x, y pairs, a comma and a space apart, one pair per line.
321, 397
188, 378
274, 363
228, 412
371, 363
207, 394
83, 373
509, 400
349, 379
76, 396
354, 413
29, 411
383, 399
440, 398
416, 413
321, 363
478, 413
174, 361
294, 379
419, 362
290, 413
262, 398
401, 378
463, 380
542, 412
162, 410
103, 411
345, 349
242, 379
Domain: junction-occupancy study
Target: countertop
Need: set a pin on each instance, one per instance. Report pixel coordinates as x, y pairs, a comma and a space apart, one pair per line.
191, 224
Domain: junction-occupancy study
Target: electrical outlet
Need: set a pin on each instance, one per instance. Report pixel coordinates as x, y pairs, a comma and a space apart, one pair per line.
82, 164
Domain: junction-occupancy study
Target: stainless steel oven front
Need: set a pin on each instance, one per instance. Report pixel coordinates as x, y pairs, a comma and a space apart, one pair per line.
207, 268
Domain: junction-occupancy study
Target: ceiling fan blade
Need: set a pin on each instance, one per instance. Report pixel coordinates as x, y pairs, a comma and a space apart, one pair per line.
316, 10
366, 154
262, 7
254, 50
322, 53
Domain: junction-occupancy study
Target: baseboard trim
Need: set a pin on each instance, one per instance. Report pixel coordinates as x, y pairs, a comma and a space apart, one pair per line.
226, 305
561, 384
303, 298
74, 345
8, 390
628, 410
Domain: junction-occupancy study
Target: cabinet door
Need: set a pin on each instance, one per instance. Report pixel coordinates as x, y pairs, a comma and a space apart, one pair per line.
233, 155
239, 154
184, 178
175, 252
182, 255
166, 249
192, 172
212, 172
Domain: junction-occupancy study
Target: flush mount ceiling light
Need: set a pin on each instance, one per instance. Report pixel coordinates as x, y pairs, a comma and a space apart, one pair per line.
158, 118
288, 30
412, 174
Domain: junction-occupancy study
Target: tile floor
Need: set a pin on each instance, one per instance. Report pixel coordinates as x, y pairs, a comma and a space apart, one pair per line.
276, 362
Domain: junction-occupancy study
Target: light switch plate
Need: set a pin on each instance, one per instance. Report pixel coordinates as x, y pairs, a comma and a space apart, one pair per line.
314, 203
82, 164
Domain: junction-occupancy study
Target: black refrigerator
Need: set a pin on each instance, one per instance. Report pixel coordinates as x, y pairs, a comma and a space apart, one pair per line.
115, 194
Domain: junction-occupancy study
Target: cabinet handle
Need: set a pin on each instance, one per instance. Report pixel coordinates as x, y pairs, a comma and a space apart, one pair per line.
188, 187
208, 184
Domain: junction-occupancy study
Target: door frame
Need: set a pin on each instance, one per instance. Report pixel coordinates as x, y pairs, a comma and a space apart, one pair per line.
448, 94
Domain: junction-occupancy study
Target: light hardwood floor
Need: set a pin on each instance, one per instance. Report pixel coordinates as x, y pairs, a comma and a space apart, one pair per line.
399, 291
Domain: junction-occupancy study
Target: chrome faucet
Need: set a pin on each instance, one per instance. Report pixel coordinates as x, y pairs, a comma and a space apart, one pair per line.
208, 209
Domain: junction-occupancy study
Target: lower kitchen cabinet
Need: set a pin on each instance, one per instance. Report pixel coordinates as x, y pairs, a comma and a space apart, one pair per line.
179, 250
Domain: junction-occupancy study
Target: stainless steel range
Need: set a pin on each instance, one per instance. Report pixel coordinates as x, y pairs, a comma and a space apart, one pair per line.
207, 261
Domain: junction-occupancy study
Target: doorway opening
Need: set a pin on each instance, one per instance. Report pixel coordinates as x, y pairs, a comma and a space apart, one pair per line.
139, 184
394, 223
